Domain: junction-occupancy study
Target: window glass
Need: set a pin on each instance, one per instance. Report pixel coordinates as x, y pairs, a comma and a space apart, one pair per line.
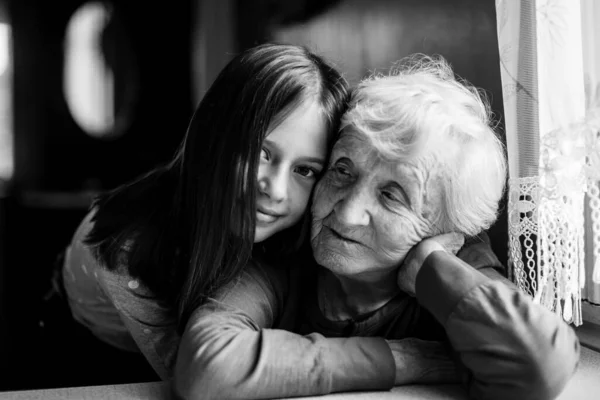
6, 132
99, 72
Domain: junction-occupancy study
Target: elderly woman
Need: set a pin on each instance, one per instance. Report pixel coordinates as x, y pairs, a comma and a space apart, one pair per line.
416, 167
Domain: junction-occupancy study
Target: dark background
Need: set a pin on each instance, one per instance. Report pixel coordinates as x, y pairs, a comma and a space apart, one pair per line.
164, 55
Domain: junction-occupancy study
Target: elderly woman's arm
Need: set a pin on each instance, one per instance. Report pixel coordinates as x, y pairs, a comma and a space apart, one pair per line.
227, 351
510, 347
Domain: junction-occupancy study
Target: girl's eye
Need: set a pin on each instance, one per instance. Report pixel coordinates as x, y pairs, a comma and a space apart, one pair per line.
306, 172
264, 154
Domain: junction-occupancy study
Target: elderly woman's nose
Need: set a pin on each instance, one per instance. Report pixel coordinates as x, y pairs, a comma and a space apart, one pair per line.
353, 208
274, 184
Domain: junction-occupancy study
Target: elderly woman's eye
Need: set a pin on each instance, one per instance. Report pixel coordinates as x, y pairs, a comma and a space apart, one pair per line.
391, 196
341, 169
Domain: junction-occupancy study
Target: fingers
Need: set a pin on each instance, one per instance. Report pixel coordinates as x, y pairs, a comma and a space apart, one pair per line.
451, 241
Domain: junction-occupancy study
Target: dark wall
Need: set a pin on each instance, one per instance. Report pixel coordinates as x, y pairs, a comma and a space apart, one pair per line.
52, 152
4, 326
56, 163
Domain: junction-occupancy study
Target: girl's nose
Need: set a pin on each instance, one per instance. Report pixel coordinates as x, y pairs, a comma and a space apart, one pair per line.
274, 185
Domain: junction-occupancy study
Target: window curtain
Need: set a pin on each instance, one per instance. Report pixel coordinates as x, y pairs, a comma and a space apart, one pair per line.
550, 69
591, 64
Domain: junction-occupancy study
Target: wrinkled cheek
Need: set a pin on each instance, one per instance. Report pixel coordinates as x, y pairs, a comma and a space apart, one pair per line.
399, 236
331, 257
392, 253
323, 201
315, 242
315, 228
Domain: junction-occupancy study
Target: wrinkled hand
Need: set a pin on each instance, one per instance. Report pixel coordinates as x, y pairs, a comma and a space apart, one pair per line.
407, 273
422, 361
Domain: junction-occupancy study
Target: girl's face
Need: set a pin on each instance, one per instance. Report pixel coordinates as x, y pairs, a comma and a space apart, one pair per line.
292, 157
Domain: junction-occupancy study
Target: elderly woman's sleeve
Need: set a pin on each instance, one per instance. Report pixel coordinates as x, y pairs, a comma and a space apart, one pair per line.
227, 350
510, 347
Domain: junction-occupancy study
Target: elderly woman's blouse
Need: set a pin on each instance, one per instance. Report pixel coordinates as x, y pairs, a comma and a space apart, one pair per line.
238, 344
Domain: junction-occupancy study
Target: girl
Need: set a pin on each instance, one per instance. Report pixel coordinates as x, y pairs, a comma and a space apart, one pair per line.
150, 251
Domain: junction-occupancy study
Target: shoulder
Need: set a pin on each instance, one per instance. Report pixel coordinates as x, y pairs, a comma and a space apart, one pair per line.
85, 227
258, 279
133, 299
478, 253
151, 325
261, 290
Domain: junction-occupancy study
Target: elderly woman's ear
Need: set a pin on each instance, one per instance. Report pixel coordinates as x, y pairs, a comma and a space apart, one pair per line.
410, 267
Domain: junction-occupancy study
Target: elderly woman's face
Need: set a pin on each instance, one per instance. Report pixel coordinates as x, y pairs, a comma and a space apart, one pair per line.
369, 212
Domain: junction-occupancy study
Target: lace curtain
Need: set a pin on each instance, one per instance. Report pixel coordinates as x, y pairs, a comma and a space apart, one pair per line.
550, 68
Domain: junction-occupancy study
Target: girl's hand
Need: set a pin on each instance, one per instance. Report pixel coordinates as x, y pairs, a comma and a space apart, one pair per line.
407, 273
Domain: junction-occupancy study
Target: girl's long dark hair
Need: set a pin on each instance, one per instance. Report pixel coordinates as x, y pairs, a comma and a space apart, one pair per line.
187, 228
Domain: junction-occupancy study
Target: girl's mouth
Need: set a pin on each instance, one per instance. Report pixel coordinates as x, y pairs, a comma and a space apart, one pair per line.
265, 218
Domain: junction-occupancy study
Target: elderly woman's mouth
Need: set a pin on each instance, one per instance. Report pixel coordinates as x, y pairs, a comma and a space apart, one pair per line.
339, 236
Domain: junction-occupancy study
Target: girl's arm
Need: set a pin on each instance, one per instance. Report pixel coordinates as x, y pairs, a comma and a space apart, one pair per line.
116, 307
229, 351
149, 324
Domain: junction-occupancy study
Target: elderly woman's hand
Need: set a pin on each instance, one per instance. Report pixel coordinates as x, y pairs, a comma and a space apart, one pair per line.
407, 273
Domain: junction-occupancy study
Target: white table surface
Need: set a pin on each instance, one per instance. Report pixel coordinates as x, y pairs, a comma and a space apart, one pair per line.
585, 385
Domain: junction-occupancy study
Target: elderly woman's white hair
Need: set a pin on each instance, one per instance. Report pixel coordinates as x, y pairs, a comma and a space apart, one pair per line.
422, 111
